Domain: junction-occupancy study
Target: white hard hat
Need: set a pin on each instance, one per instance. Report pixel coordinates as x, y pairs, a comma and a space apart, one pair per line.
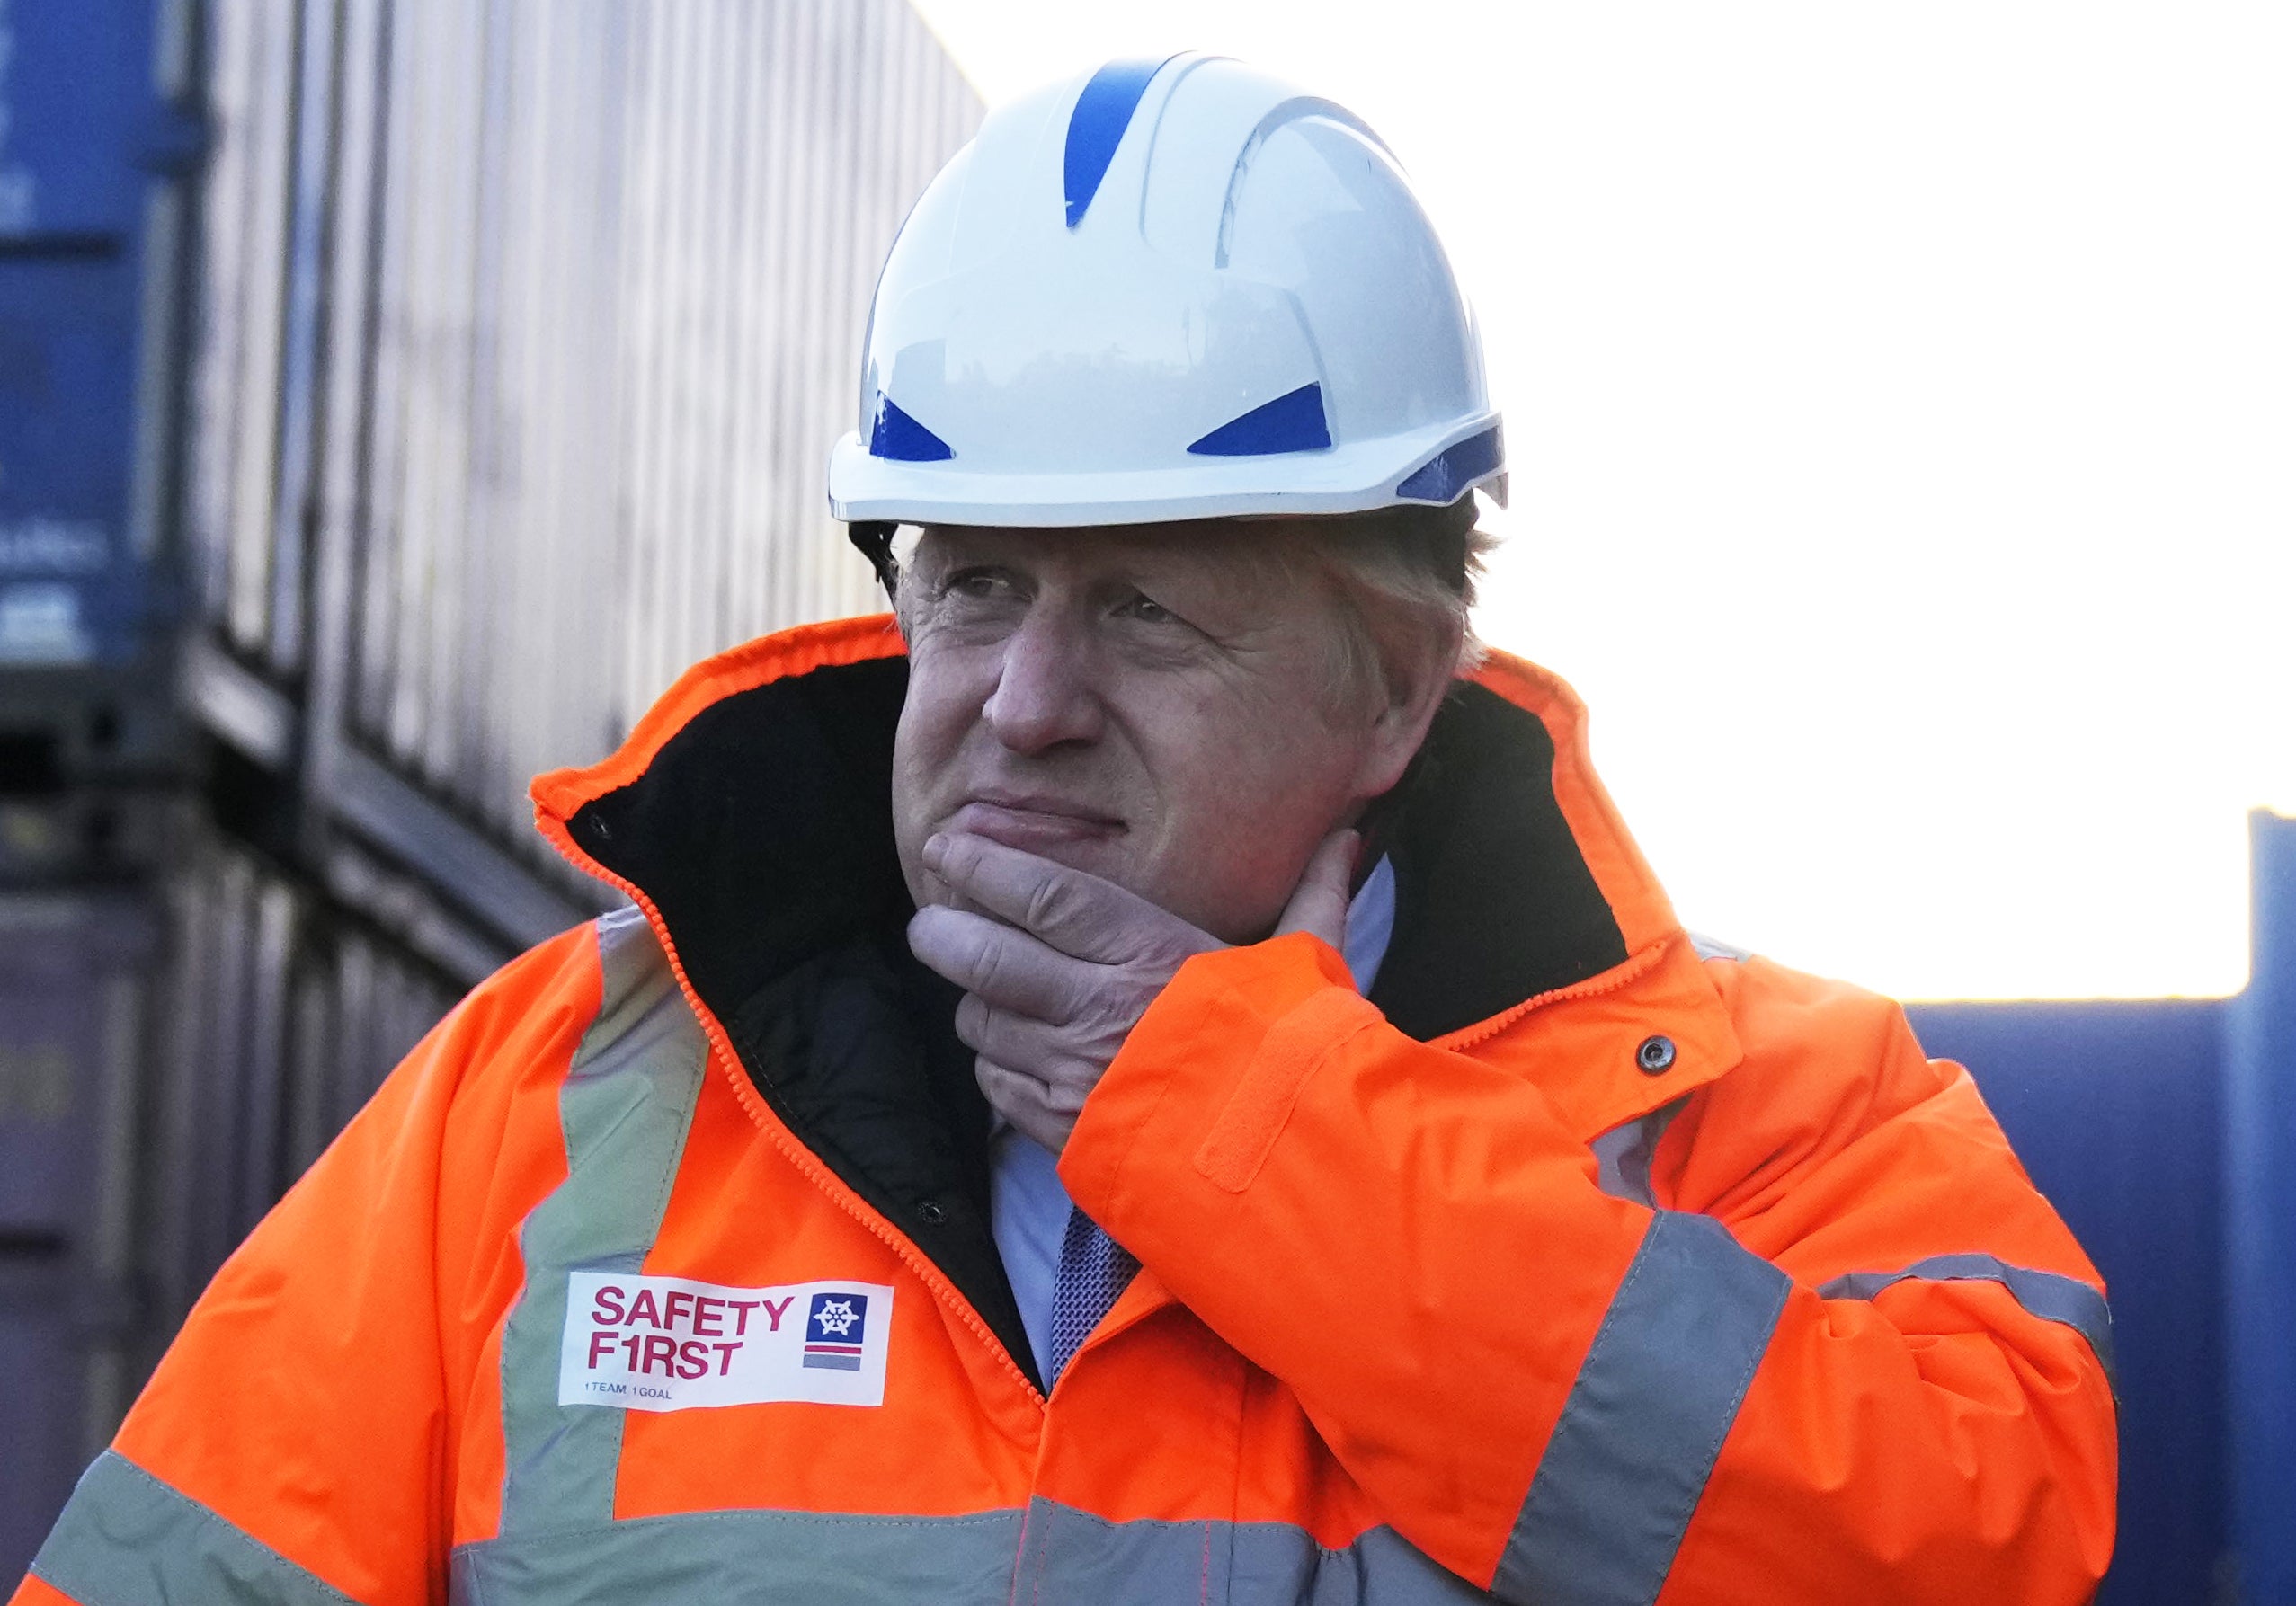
1175, 290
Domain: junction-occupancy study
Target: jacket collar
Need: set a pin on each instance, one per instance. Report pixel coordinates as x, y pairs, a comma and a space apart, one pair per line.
748, 813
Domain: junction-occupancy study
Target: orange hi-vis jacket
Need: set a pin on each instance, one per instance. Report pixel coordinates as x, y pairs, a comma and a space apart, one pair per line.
1574, 1264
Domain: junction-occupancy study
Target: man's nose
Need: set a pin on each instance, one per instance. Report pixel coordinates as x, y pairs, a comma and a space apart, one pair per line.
1044, 695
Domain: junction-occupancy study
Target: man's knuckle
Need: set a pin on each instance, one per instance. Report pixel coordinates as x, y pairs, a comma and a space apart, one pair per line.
1047, 903
990, 962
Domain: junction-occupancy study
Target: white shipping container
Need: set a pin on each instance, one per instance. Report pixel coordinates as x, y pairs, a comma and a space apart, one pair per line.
524, 331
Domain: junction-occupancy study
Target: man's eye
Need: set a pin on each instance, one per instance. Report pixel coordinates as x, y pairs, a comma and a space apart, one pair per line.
972, 582
1147, 610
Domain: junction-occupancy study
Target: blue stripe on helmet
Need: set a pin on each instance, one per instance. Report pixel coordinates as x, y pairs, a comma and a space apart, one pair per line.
1292, 422
1445, 477
1095, 127
901, 438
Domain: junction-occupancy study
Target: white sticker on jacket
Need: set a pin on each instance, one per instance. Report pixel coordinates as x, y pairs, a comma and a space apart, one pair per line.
669, 1344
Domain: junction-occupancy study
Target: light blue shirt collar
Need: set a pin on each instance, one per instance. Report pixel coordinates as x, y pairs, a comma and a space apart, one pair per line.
1029, 1207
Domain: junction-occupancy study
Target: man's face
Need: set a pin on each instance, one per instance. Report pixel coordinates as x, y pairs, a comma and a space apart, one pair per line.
1137, 704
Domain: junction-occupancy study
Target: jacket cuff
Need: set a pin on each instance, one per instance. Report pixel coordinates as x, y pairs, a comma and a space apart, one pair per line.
1214, 1065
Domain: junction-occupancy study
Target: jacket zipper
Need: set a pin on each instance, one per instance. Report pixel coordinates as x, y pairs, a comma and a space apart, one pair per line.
1632, 968
809, 1163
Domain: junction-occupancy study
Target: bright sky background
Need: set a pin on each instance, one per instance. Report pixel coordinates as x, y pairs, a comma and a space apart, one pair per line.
1902, 408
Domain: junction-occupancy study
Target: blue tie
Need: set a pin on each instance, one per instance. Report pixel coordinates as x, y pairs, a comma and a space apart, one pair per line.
1093, 1271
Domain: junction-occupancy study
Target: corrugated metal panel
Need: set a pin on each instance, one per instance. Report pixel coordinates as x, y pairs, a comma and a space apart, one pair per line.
70, 967
554, 354
47, 1362
774, 150
523, 330
75, 970
170, 1062
91, 151
236, 372
2259, 1136
282, 1015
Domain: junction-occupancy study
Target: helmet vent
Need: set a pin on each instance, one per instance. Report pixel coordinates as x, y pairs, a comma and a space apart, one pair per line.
1292, 422
1095, 127
1444, 478
898, 435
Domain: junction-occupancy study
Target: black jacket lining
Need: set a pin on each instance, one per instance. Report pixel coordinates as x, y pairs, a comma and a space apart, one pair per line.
763, 833
1494, 904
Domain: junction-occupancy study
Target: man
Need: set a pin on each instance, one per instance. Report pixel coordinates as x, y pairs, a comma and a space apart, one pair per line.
1163, 1080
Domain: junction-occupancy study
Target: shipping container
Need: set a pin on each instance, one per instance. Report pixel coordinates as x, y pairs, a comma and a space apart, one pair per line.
97, 138
279, 1013
76, 973
49, 1364
524, 331
520, 332
172, 1055
395, 395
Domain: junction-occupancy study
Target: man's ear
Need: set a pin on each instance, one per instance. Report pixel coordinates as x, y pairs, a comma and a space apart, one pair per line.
1415, 681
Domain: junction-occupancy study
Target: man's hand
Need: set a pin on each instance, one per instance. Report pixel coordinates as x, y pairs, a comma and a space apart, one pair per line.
1059, 965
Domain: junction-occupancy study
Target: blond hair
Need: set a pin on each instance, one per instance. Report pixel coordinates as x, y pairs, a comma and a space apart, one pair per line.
1405, 581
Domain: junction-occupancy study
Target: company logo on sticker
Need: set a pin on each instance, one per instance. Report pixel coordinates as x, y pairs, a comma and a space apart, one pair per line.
669, 1344
835, 1325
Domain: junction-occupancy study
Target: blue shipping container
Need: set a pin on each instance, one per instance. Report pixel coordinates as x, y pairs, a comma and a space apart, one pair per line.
88, 148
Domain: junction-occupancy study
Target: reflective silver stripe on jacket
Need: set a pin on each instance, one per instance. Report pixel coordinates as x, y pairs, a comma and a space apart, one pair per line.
128, 1539
625, 1108
2052, 1296
1622, 1154
1064, 1558
1640, 1430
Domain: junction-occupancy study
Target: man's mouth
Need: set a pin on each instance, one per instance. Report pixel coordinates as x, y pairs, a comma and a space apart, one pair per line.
1034, 821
